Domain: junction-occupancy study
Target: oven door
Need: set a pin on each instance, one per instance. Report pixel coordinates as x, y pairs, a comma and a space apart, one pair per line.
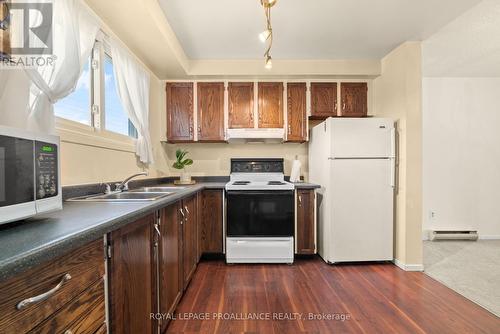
260, 213
17, 193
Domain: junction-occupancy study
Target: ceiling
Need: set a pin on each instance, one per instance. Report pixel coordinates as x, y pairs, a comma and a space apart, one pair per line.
314, 29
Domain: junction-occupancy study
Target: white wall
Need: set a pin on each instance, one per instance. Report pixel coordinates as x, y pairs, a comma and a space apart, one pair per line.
461, 135
398, 95
461, 131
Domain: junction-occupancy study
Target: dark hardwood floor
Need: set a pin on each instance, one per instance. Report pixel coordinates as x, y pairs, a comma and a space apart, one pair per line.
375, 298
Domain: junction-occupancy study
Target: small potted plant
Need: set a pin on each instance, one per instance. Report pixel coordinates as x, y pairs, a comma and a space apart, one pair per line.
181, 164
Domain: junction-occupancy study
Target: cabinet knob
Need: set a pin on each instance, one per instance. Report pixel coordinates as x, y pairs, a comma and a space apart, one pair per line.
289, 129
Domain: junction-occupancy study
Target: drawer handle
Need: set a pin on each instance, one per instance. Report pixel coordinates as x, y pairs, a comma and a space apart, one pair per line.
185, 207
24, 303
68, 331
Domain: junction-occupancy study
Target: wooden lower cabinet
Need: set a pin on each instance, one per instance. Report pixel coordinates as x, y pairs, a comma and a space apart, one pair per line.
211, 221
76, 306
170, 261
85, 314
130, 271
151, 263
189, 237
306, 236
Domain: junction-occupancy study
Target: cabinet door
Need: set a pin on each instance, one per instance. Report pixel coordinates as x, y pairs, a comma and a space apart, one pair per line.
306, 242
190, 239
180, 111
296, 112
170, 260
354, 99
323, 100
131, 270
241, 105
210, 111
211, 221
270, 104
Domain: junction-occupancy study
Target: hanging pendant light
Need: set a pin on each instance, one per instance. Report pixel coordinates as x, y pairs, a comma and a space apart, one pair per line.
267, 35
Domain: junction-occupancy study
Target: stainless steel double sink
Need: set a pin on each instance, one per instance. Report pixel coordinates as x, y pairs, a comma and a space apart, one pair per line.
136, 195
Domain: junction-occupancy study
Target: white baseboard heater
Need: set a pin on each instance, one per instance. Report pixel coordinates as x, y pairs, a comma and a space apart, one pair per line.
453, 235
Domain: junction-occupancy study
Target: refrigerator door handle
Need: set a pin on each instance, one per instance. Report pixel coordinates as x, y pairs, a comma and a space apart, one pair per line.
393, 142
393, 172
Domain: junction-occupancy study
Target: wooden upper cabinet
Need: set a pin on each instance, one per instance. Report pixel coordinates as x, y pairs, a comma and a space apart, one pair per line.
270, 104
323, 100
354, 99
240, 105
296, 112
210, 111
180, 112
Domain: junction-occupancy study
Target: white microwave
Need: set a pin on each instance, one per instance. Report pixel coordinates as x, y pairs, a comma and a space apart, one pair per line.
30, 181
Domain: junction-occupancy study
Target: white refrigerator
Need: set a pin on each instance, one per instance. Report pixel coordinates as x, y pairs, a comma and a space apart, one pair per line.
353, 159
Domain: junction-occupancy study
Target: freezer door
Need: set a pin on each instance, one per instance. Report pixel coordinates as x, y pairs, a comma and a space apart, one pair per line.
362, 138
362, 210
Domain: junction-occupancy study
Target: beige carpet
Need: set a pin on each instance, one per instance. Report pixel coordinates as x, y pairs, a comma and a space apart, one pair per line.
470, 268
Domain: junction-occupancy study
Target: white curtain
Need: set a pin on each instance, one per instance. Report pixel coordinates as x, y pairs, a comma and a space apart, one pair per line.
74, 31
132, 84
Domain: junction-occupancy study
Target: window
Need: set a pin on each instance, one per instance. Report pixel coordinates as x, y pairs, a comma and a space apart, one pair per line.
76, 106
96, 90
116, 119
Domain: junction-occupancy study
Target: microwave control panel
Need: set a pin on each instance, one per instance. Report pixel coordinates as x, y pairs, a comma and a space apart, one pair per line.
46, 170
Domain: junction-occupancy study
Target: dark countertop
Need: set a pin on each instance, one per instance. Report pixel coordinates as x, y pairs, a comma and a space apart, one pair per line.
26, 244
306, 185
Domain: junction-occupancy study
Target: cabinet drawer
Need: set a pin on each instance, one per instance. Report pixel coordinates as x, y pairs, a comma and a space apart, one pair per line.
84, 314
84, 265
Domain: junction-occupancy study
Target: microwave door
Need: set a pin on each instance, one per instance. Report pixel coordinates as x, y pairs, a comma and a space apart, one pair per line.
17, 193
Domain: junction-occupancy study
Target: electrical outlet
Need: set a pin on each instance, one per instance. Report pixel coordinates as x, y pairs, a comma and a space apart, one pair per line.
432, 215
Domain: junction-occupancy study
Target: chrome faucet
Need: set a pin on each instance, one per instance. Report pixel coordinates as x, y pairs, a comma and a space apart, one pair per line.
123, 186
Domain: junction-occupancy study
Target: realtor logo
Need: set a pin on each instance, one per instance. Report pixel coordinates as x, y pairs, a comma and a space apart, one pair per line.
25, 28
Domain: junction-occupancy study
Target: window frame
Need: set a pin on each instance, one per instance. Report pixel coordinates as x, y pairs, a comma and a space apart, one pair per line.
95, 134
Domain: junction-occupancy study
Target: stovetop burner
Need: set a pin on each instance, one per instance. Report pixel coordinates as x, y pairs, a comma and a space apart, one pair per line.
275, 183
241, 183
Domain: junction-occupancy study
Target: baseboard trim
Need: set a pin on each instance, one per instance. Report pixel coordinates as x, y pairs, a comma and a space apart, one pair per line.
408, 267
489, 237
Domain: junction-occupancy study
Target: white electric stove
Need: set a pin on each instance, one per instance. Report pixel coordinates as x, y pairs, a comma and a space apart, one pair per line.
260, 212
